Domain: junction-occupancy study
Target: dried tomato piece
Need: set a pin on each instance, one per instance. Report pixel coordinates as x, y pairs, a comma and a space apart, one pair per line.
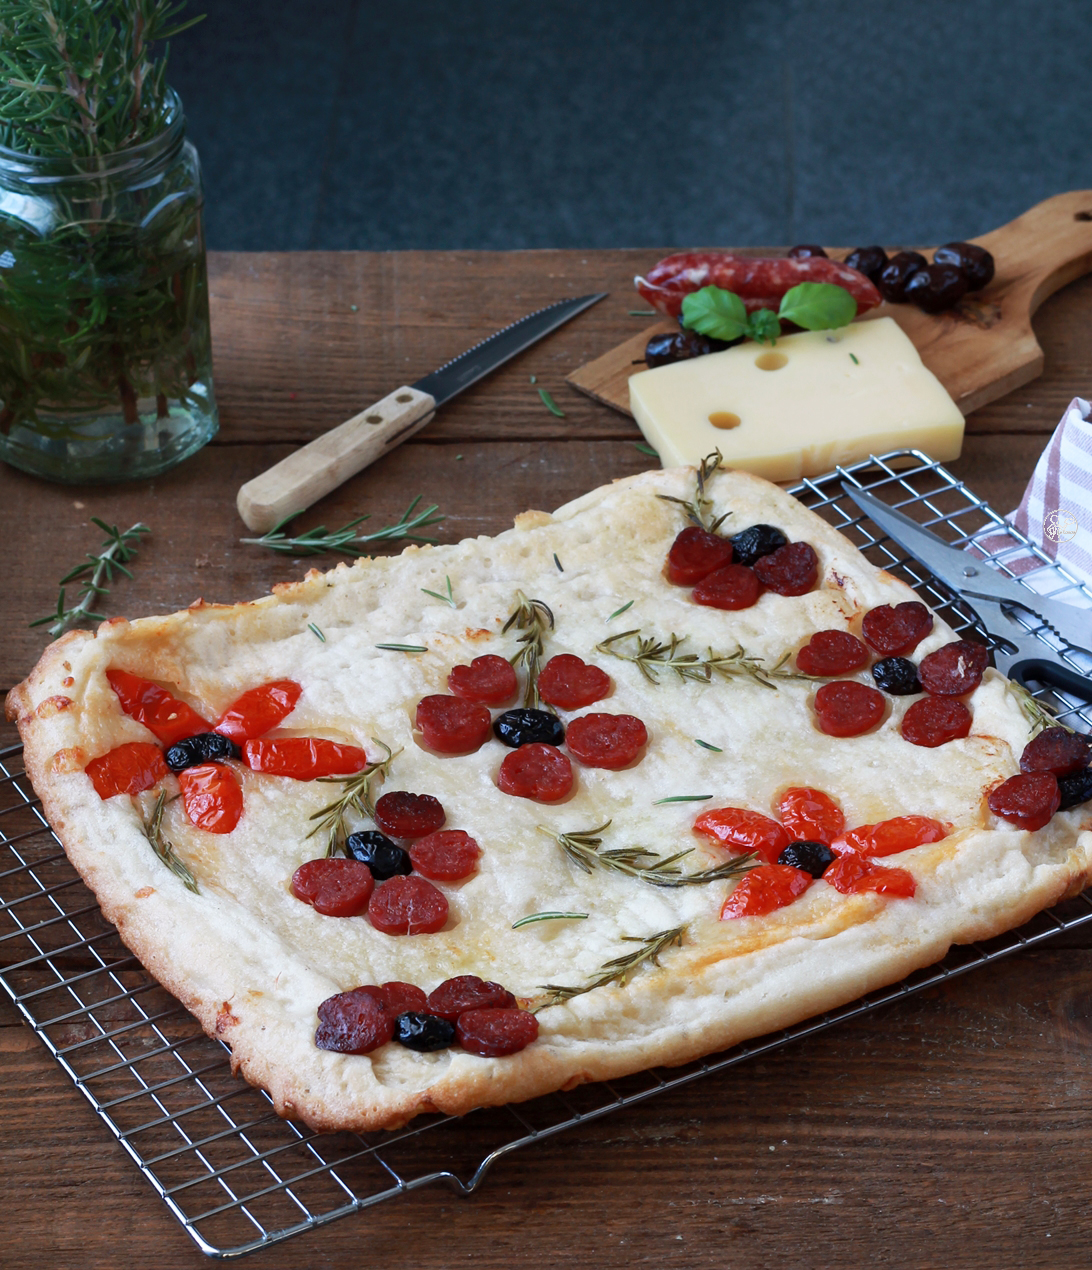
536, 771
451, 725
353, 1022
612, 741
1057, 750
570, 683
167, 718
401, 814
955, 669
334, 887
894, 632
1027, 801
212, 797
446, 856
848, 708
259, 710
467, 992
494, 1033
695, 553
738, 829
768, 887
732, 587
303, 758
851, 874
790, 570
809, 815
832, 653
400, 997
933, 721
888, 837
127, 769
407, 906
487, 681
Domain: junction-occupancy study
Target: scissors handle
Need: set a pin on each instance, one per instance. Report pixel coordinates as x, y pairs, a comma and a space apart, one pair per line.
1053, 673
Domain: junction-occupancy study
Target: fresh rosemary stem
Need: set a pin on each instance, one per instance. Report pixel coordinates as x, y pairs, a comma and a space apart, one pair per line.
619, 969
650, 655
117, 550
318, 540
153, 831
534, 618
583, 849
356, 795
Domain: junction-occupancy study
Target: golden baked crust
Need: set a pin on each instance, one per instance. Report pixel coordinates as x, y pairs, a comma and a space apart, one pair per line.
253, 963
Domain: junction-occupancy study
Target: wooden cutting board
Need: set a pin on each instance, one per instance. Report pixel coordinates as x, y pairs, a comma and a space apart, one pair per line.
981, 349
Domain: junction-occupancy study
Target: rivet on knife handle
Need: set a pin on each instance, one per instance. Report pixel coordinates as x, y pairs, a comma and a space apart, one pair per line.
307, 474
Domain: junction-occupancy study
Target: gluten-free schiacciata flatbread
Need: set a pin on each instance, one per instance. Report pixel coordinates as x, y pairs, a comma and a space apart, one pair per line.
254, 962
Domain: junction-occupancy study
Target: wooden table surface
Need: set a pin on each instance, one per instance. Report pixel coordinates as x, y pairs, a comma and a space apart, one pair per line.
947, 1129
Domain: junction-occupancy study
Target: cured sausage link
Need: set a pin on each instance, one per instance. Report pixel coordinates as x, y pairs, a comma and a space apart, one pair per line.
759, 282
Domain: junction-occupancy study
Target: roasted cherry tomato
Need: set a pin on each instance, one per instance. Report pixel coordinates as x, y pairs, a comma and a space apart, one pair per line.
741, 830
487, 681
127, 769
809, 815
212, 797
891, 836
303, 758
258, 711
851, 874
334, 887
163, 715
768, 887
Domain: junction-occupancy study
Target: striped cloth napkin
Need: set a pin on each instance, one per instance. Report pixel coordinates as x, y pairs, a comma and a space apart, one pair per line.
1055, 514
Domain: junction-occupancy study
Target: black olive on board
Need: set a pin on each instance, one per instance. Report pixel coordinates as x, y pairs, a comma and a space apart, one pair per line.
806, 251
204, 747
897, 273
868, 260
526, 726
976, 262
936, 287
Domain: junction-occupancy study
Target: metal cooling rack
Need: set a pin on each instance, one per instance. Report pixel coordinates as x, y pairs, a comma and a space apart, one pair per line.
234, 1174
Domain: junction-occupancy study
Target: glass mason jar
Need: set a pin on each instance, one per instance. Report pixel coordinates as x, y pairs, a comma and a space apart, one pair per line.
105, 357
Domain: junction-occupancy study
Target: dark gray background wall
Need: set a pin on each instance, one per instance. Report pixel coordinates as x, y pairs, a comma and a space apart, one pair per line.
581, 123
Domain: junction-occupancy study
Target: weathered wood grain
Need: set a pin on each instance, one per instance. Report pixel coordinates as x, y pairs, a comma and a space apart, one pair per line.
947, 1130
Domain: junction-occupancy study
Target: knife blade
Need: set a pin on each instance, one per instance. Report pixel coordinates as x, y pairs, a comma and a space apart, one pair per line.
323, 464
976, 580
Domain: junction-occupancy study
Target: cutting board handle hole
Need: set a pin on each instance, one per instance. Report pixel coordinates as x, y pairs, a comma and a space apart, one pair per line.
771, 361
373, 418
404, 396
724, 419
1083, 216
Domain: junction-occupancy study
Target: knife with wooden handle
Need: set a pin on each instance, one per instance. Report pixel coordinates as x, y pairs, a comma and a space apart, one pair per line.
323, 464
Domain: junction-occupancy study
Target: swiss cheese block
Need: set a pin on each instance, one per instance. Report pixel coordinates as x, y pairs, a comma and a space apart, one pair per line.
811, 401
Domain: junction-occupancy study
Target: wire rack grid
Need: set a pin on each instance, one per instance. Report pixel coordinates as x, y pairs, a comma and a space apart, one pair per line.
236, 1176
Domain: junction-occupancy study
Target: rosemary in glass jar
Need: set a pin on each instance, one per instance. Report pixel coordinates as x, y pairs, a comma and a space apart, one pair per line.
105, 356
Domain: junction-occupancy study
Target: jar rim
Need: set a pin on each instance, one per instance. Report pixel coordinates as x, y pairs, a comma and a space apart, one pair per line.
32, 169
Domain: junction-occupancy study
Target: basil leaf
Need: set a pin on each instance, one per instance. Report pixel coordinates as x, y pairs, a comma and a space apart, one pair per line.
716, 312
818, 306
764, 326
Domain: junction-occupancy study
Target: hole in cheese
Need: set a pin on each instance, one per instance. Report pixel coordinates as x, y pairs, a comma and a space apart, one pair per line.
771, 361
724, 419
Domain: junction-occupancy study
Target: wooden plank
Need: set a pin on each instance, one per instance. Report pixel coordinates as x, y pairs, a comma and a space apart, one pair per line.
981, 350
964, 1109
